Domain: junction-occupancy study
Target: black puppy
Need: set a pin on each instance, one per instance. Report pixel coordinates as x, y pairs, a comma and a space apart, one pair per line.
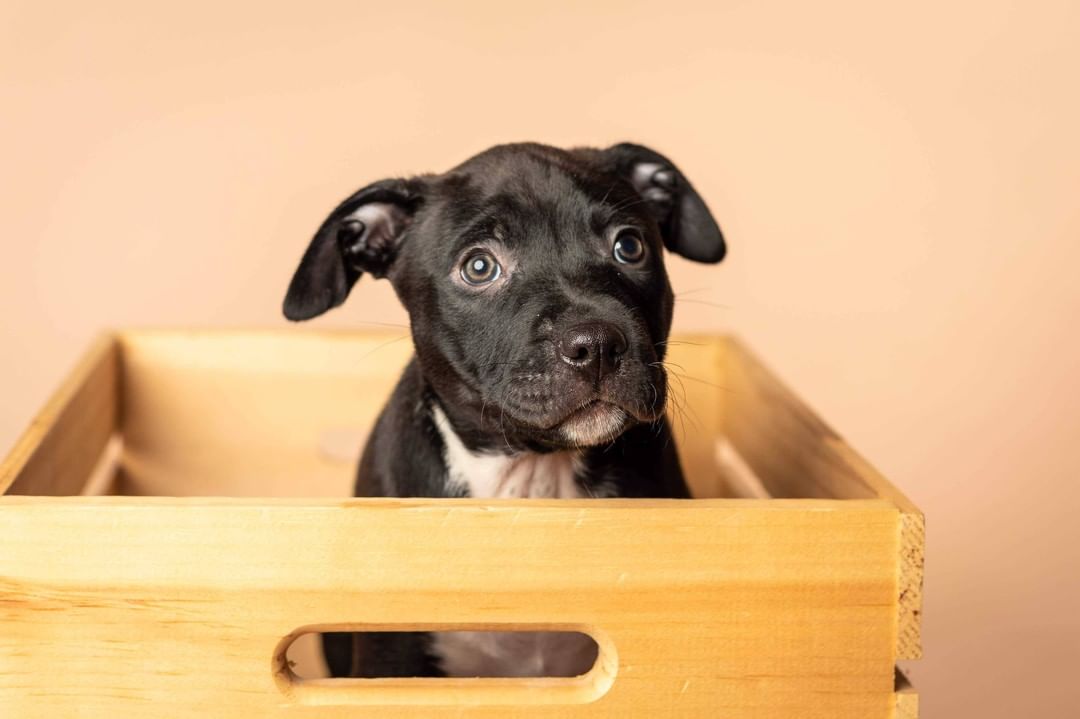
540, 308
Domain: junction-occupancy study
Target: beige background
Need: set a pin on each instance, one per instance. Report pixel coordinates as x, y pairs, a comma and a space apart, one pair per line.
898, 183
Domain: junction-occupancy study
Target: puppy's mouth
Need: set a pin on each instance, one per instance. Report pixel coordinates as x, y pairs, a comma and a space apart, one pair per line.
564, 409
594, 423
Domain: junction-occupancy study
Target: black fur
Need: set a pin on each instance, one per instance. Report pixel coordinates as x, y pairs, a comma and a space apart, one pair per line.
490, 356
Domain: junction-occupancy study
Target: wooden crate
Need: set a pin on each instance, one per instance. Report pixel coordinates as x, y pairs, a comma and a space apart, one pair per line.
177, 514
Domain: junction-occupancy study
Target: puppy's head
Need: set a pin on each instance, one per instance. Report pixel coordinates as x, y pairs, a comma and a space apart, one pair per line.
534, 280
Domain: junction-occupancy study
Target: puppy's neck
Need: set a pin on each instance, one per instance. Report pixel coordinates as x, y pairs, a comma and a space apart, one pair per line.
499, 475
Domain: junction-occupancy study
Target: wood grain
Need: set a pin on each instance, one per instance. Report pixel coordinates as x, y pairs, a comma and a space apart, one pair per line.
795, 454
121, 607
58, 452
248, 413
145, 606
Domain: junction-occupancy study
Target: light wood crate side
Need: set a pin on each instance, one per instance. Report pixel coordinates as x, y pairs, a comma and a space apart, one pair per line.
123, 607
912, 549
910, 586
252, 413
796, 454
58, 452
285, 413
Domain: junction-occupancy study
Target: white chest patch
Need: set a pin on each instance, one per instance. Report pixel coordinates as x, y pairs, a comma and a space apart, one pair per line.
502, 476
511, 654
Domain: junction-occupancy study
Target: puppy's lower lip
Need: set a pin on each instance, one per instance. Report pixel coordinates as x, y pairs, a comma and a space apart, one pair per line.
597, 407
593, 406
596, 422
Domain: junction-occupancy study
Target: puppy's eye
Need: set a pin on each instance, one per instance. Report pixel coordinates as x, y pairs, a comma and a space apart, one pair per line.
629, 248
480, 268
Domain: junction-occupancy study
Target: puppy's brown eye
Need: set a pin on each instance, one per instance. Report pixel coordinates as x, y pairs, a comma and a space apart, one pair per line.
629, 248
480, 268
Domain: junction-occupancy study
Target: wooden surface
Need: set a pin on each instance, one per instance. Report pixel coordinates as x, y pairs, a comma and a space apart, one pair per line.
132, 607
141, 606
250, 413
793, 453
59, 450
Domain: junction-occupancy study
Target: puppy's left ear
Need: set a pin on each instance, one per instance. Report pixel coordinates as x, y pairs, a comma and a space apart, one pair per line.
361, 235
687, 226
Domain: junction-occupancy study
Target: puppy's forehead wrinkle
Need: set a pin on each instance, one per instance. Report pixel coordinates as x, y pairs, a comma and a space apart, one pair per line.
526, 180
532, 208
541, 198
501, 161
540, 171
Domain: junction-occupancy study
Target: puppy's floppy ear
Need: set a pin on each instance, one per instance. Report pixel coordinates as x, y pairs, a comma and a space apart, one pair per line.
687, 226
361, 235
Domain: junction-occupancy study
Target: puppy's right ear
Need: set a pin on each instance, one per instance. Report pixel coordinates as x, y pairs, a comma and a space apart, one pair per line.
362, 234
686, 223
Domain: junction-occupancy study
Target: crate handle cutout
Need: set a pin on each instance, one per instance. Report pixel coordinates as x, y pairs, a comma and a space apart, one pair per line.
444, 691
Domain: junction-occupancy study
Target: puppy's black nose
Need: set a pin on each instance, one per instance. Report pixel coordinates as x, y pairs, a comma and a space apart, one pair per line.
594, 348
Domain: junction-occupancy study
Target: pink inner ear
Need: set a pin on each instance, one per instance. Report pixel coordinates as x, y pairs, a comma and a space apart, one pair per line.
384, 222
641, 178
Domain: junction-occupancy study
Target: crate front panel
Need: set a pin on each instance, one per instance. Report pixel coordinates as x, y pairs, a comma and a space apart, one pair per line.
119, 607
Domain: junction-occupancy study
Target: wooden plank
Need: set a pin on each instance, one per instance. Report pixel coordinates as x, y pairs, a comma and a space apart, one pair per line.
102, 479
909, 586
789, 448
252, 413
795, 454
128, 607
912, 543
285, 413
58, 452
